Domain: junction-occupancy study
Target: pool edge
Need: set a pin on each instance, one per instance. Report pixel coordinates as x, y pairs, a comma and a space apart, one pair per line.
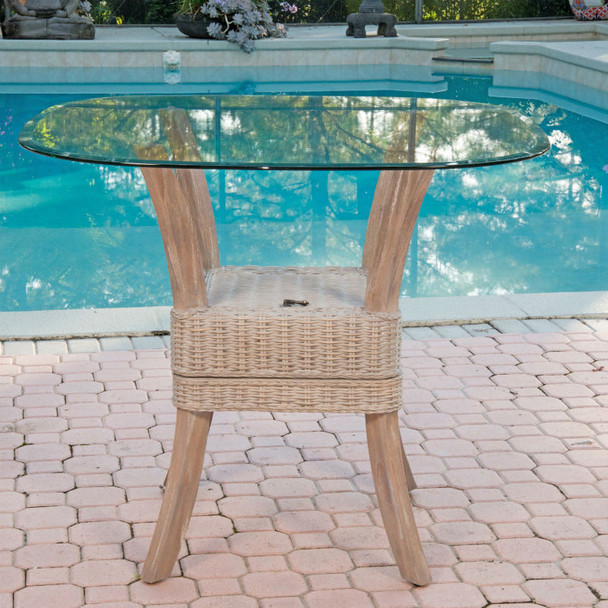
416, 312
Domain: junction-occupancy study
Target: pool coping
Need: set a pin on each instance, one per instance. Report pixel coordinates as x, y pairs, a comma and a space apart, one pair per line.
533, 52
426, 36
418, 44
416, 312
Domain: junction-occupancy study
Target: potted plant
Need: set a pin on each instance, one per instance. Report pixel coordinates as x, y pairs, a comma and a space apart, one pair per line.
239, 21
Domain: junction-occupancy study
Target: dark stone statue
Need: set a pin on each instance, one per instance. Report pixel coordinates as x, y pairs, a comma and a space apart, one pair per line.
54, 19
371, 12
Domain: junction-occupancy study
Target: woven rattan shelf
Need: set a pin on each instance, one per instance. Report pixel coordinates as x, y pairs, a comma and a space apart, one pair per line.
246, 350
247, 331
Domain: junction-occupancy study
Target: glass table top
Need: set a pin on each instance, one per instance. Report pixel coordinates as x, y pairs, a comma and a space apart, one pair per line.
283, 132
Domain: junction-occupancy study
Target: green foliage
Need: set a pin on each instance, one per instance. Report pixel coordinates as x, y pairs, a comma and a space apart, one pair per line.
133, 11
313, 11
160, 11
335, 11
456, 10
186, 7
103, 12
404, 9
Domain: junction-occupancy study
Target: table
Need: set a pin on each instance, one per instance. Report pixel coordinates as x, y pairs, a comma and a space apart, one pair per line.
285, 339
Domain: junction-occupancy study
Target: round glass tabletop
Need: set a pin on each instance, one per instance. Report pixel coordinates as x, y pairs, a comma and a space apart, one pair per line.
283, 132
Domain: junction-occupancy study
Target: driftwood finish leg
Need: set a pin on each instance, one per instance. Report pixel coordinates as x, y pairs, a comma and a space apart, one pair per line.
393, 216
397, 201
185, 216
409, 476
184, 212
386, 457
191, 431
184, 232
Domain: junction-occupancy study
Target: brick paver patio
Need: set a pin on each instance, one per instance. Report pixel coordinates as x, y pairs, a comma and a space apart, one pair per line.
507, 435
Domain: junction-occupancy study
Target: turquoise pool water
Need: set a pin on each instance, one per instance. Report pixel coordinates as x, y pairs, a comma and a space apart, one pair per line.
75, 235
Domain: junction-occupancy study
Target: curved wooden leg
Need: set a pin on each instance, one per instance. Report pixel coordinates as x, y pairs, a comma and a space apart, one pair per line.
388, 467
409, 476
191, 431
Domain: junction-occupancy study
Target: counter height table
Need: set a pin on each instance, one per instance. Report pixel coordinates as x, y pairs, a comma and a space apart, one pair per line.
285, 339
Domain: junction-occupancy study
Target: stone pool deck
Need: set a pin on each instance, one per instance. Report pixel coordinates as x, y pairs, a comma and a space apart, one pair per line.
507, 434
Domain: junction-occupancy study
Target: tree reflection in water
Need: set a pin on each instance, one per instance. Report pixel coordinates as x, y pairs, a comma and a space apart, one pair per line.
74, 235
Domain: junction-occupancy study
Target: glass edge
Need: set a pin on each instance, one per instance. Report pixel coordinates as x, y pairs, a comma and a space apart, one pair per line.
28, 144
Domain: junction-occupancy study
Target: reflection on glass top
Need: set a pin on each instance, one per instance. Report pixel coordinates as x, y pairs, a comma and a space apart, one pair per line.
283, 132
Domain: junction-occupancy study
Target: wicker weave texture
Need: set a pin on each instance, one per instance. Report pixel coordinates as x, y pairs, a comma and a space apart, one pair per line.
290, 344
261, 339
285, 395
246, 351
265, 287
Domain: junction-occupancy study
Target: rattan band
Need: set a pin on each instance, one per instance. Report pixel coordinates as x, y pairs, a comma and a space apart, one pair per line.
285, 395
288, 343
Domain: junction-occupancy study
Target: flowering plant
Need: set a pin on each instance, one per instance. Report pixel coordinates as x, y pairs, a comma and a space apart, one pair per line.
238, 21
289, 10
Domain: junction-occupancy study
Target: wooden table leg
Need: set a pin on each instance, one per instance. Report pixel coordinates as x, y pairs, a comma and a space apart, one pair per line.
409, 476
397, 201
189, 444
386, 457
183, 208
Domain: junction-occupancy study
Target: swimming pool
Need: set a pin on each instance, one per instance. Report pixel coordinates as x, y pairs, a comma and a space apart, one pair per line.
76, 236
